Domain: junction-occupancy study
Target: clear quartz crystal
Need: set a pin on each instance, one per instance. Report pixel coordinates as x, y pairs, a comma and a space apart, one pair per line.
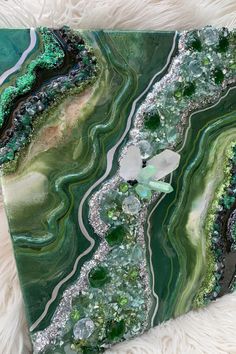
210, 36
137, 253
131, 205
83, 328
130, 163
195, 69
161, 186
165, 162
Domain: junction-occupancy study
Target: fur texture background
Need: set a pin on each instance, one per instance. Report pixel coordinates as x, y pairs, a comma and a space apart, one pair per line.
208, 331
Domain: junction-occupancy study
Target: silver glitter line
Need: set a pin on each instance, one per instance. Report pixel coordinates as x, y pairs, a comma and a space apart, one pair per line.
129, 122
49, 335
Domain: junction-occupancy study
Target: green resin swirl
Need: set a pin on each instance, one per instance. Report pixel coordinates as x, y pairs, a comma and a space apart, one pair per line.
68, 154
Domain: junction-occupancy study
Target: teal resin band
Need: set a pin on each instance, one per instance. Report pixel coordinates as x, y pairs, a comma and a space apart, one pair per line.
118, 155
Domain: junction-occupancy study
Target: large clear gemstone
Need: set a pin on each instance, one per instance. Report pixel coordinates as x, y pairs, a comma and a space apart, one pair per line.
83, 328
165, 162
131, 205
131, 163
195, 68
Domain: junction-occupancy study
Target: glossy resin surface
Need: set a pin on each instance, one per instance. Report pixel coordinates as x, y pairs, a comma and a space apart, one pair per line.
118, 156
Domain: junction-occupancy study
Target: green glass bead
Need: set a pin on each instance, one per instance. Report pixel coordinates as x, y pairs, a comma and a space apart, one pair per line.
218, 76
115, 330
10, 155
75, 315
110, 213
206, 61
223, 44
123, 187
98, 277
189, 89
133, 274
144, 192
178, 94
232, 66
218, 252
116, 235
151, 121
123, 300
194, 42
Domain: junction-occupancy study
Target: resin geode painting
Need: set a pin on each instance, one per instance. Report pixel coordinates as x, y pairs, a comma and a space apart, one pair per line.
118, 156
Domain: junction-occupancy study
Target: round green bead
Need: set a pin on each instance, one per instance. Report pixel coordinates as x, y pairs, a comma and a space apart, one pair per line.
152, 121
178, 94
123, 300
116, 235
194, 42
123, 187
110, 213
223, 44
75, 315
143, 191
218, 76
189, 89
98, 277
133, 275
115, 330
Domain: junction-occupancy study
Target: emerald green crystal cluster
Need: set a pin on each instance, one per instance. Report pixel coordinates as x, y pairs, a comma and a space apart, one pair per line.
206, 61
115, 301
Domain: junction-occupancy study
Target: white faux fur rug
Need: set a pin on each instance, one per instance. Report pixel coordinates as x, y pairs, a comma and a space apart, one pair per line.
208, 331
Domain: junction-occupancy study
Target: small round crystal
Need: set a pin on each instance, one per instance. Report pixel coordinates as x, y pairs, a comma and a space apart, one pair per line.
210, 36
195, 68
83, 328
131, 205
